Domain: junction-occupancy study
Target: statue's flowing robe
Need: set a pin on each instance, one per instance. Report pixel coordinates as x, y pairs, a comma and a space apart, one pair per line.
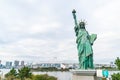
84, 45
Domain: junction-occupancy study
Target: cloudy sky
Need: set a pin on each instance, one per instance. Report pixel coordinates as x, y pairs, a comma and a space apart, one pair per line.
43, 30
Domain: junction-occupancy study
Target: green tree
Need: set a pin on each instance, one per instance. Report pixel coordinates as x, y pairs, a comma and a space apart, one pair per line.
11, 74
24, 73
116, 76
117, 62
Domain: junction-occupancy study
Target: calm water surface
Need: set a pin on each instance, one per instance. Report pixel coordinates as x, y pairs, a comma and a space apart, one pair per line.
59, 75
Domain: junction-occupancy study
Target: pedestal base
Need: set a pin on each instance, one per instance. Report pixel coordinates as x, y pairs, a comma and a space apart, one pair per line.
84, 75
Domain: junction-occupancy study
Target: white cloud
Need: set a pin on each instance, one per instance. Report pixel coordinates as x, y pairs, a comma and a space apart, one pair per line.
108, 15
43, 27
107, 21
40, 29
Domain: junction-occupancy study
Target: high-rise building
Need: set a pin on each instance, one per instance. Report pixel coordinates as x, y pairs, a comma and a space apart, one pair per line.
22, 63
0, 64
8, 65
16, 63
0, 61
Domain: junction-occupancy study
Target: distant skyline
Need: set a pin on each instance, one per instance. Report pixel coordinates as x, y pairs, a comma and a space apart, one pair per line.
43, 30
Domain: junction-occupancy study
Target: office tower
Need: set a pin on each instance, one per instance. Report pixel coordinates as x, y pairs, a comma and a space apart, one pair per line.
0, 61
22, 63
8, 65
16, 63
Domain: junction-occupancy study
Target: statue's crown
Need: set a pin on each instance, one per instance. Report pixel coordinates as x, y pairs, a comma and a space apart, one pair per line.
82, 23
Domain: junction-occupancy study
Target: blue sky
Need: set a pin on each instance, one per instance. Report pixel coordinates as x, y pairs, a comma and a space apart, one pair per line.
43, 30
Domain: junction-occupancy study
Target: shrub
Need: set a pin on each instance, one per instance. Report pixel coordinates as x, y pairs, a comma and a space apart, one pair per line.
43, 77
116, 76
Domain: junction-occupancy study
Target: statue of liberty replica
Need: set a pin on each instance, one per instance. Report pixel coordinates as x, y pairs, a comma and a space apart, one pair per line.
84, 44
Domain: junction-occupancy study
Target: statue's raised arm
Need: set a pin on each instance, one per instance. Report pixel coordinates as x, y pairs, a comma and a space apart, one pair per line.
75, 20
74, 16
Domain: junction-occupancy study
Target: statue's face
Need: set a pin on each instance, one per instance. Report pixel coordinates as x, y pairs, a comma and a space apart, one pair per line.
82, 25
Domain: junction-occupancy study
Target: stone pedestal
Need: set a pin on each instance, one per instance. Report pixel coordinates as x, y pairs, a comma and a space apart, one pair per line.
85, 75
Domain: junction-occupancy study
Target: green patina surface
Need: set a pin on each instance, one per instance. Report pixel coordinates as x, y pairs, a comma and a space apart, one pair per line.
84, 44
